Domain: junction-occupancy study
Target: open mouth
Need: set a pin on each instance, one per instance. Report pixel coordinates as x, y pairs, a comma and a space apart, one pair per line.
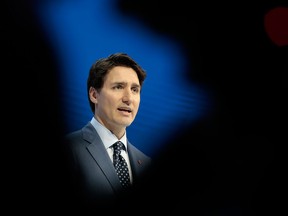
124, 110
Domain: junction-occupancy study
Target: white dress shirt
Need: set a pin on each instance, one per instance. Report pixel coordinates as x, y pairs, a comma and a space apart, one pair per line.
108, 139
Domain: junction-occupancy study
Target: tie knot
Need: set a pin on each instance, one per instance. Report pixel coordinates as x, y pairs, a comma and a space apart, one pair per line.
118, 146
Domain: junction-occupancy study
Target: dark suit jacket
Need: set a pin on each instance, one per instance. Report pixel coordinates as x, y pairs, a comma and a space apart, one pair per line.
92, 171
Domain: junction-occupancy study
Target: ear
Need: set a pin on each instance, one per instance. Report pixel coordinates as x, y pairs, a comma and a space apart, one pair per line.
93, 95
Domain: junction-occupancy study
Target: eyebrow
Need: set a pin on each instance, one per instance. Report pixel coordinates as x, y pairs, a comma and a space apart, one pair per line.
125, 83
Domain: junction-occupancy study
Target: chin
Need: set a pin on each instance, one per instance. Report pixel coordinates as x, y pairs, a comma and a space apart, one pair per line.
126, 123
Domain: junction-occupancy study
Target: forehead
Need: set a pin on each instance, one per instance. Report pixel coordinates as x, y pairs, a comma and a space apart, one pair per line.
122, 74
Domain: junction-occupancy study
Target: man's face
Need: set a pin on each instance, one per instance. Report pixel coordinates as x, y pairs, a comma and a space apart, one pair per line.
118, 101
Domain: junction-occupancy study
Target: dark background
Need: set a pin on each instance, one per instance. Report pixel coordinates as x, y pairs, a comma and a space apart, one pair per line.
235, 167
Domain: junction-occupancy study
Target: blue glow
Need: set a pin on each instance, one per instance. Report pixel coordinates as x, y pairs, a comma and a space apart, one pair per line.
83, 31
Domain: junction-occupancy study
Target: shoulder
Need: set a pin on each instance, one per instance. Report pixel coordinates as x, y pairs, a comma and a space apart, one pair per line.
133, 150
73, 135
73, 141
80, 134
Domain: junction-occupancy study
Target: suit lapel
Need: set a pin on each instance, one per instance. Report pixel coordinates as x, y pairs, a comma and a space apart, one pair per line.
100, 155
135, 161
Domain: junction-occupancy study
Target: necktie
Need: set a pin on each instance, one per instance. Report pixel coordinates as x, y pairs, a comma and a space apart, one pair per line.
120, 164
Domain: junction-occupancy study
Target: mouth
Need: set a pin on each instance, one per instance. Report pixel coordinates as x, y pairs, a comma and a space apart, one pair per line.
125, 109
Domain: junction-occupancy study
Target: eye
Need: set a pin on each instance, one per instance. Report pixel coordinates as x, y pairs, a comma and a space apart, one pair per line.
118, 87
136, 89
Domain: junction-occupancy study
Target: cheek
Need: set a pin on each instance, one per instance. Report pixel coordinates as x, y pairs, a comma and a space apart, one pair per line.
137, 104
109, 100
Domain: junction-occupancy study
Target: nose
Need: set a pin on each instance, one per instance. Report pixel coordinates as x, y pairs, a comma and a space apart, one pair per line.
127, 96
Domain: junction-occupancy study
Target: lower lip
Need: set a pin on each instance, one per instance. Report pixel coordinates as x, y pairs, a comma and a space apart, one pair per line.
125, 113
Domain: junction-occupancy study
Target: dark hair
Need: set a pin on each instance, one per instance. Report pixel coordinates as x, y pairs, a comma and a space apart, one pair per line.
102, 66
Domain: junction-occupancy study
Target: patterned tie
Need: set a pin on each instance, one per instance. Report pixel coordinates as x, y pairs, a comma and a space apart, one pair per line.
120, 164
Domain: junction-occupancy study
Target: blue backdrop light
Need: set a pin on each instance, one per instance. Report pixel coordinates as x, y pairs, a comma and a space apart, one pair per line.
83, 31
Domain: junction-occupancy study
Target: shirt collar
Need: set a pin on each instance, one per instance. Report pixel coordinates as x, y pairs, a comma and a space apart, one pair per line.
107, 137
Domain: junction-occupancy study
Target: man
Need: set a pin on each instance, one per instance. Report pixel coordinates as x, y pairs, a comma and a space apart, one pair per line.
113, 86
